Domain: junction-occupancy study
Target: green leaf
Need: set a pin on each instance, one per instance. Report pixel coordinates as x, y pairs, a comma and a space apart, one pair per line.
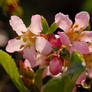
52, 28
87, 6
45, 25
88, 27
10, 67
66, 82
38, 78
65, 53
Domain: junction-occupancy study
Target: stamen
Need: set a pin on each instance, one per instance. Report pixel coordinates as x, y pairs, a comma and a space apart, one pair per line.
43, 35
23, 32
18, 37
24, 39
76, 26
21, 46
81, 29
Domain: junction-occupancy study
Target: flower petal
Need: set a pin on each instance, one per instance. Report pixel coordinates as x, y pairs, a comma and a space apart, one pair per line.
74, 89
17, 25
87, 36
42, 60
30, 54
80, 46
47, 72
43, 46
55, 40
63, 21
82, 20
90, 73
14, 45
36, 26
90, 47
64, 38
55, 65
89, 69
81, 78
27, 64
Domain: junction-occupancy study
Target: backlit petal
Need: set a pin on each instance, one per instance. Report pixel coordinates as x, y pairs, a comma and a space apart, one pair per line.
43, 46
17, 25
63, 21
87, 36
64, 38
82, 20
35, 26
14, 45
30, 54
80, 46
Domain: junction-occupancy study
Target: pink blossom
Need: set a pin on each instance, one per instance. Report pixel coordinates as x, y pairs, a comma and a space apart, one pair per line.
75, 40
81, 21
29, 39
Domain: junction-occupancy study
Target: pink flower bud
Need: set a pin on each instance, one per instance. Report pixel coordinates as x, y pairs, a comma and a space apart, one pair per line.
56, 43
55, 65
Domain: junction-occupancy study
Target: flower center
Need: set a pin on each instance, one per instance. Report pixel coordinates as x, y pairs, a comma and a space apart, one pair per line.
74, 34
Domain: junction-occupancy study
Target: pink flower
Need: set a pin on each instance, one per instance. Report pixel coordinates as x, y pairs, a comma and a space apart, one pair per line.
29, 39
73, 35
81, 21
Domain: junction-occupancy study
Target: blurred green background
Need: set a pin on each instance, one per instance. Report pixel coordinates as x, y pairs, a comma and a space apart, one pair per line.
25, 9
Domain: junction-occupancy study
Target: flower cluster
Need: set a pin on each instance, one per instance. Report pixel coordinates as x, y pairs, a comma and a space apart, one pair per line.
53, 51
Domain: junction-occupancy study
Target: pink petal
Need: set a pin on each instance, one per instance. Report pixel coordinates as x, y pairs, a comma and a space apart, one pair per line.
81, 78
80, 46
63, 21
82, 19
14, 45
30, 54
36, 26
55, 41
55, 65
74, 89
17, 25
64, 38
47, 72
27, 64
89, 69
90, 73
43, 46
42, 60
87, 36
90, 47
